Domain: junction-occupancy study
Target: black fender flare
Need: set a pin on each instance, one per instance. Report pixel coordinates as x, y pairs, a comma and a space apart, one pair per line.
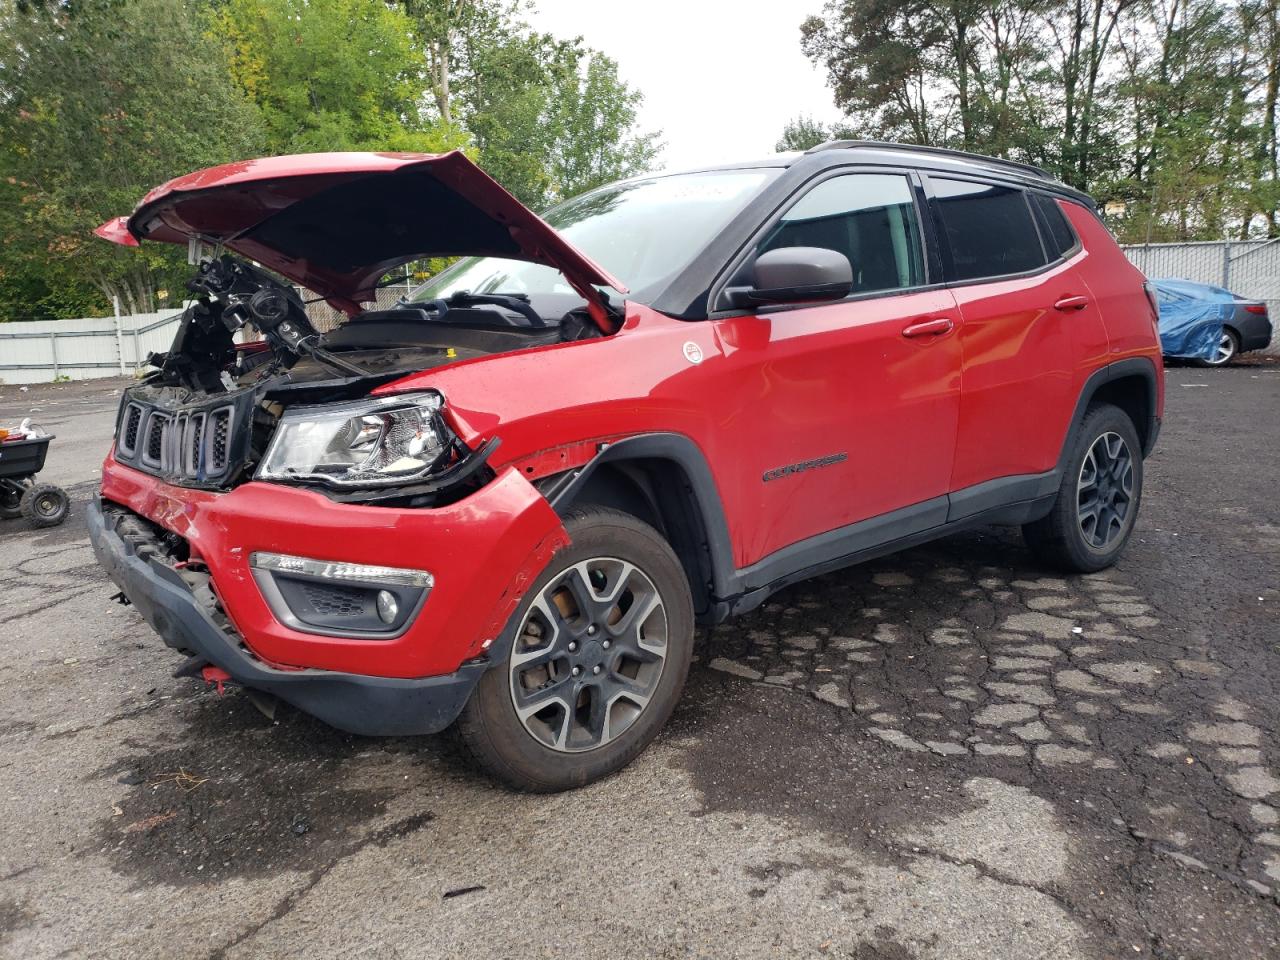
703, 493
1142, 367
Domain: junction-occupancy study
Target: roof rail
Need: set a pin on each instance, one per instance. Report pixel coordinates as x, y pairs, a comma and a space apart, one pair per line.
1026, 168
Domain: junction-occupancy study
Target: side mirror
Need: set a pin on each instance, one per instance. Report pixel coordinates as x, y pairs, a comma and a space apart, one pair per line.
794, 275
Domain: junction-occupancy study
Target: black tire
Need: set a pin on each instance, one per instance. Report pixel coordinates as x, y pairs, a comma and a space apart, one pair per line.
1067, 538
10, 502
1228, 350
45, 505
490, 725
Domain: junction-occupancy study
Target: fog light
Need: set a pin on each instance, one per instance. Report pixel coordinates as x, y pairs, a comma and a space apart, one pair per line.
339, 599
387, 606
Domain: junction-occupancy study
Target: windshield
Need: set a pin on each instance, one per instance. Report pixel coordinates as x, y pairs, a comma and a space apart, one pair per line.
643, 232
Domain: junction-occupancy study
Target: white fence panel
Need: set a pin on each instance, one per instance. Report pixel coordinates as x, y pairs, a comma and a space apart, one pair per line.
42, 351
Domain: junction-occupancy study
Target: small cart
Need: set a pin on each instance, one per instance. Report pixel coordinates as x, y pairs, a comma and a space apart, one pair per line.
21, 458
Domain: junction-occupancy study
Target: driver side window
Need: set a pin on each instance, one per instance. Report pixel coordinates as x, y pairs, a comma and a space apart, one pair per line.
870, 218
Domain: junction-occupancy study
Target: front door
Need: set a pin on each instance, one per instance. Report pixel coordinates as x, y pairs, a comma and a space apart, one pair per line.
844, 412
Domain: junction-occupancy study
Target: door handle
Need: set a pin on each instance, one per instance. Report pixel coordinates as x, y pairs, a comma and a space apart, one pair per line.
1071, 303
929, 328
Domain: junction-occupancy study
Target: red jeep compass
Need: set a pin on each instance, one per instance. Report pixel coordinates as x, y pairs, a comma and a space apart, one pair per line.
507, 501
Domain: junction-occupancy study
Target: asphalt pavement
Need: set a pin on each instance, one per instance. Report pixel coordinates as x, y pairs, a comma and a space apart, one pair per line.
949, 753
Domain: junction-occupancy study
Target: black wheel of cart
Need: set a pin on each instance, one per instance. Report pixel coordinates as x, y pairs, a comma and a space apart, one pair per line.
11, 498
45, 505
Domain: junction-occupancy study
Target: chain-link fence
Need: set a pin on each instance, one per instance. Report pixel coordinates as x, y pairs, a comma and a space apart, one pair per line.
326, 317
1248, 268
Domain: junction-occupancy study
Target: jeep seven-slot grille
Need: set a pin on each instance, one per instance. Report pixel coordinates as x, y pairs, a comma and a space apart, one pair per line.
192, 434
187, 445
218, 448
157, 428
132, 424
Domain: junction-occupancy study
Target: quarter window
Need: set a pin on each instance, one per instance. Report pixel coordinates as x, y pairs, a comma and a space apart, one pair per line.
1058, 236
989, 229
870, 218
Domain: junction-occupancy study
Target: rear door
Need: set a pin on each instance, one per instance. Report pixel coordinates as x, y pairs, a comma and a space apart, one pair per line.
1019, 297
845, 411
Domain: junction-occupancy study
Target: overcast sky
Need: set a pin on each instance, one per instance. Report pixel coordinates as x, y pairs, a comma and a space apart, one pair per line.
720, 77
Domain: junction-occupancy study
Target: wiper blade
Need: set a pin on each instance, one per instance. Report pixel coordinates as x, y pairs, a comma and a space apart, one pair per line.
516, 302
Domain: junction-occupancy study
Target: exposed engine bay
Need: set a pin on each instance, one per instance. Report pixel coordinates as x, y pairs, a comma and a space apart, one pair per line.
234, 295
208, 416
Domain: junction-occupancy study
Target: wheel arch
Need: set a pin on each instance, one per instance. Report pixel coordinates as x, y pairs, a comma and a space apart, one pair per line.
664, 480
1128, 384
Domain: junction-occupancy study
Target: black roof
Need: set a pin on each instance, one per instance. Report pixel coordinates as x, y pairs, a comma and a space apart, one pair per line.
937, 159
974, 158
942, 159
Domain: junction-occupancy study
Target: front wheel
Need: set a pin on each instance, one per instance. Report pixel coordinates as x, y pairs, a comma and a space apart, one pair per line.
1098, 498
592, 662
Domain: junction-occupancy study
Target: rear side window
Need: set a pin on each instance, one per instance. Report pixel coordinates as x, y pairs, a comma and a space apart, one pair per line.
1058, 235
870, 218
989, 229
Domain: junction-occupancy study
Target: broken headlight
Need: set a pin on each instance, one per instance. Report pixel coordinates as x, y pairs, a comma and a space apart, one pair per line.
374, 442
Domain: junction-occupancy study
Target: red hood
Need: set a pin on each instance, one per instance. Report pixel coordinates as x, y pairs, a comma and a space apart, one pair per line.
337, 222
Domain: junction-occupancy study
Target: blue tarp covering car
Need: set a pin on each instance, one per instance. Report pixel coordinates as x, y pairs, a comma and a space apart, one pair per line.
1191, 317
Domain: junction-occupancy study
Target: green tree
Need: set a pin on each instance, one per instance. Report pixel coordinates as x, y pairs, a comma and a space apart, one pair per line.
592, 119
547, 117
330, 74
1167, 105
101, 100
804, 132
881, 64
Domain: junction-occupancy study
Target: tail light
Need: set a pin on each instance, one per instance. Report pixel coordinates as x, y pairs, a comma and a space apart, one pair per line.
1149, 289
1258, 308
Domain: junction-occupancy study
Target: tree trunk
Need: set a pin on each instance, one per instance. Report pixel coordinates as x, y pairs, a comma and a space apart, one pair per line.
1269, 145
961, 55
438, 64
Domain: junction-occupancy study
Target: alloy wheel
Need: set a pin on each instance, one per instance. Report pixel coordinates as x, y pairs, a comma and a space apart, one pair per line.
588, 655
1104, 491
1226, 350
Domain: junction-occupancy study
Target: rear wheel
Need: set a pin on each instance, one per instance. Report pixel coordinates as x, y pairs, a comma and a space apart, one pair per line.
1098, 498
45, 505
1228, 348
595, 659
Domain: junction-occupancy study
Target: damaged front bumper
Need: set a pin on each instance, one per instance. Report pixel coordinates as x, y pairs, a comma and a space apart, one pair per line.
376, 706
182, 557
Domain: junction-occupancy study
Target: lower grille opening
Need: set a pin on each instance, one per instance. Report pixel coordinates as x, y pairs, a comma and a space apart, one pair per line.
335, 601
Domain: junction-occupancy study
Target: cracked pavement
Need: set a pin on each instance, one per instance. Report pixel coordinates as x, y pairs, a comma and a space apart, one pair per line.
948, 753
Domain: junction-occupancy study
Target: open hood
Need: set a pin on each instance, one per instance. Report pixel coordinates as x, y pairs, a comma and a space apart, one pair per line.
337, 222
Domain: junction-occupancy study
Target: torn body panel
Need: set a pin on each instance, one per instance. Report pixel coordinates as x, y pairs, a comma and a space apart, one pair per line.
508, 526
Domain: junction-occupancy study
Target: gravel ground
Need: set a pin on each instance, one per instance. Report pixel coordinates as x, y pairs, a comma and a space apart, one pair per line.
943, 754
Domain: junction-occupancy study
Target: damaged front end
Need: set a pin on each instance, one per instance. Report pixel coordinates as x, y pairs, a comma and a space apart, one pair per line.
287, 409
295, 407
